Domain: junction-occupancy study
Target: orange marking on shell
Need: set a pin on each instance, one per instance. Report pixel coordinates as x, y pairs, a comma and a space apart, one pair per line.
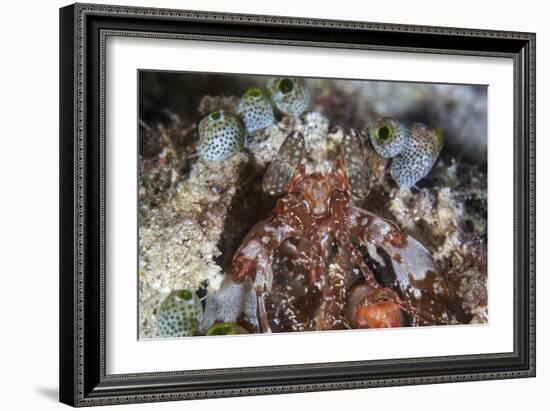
384, 314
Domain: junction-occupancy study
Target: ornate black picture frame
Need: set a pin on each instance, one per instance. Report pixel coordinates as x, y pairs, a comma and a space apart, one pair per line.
83, 30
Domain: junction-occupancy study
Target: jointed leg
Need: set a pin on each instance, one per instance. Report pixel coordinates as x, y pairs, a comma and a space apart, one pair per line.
357, 259
420, 283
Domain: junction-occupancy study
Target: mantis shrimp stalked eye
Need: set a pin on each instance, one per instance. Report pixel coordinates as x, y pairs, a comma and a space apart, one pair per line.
355, 163
282, 168
255, 110
289, 95
221, 134
413, 147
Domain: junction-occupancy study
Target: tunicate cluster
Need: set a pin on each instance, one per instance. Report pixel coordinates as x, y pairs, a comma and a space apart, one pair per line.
413, 148
222, 134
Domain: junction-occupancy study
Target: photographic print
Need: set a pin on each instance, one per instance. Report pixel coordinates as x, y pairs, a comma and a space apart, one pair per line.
366, 195
272, 204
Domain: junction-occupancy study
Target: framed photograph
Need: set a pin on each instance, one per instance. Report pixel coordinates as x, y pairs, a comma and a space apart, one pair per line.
260, 204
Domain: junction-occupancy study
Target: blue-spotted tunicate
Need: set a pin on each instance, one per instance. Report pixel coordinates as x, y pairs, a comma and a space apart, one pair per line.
413, 148
221, 134
289, 95
179, 315
255, 110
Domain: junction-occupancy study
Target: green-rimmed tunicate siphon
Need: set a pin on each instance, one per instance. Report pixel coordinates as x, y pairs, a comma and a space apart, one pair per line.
388, 137
221, 134
226, 329
255, 110
289, 95
413, 147
180, 314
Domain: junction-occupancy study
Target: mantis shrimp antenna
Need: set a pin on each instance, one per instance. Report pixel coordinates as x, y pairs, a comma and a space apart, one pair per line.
282, 168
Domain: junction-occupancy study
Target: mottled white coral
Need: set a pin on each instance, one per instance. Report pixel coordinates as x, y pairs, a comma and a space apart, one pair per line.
265, 144
149, 302
440, 210
178, 246
461, 257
